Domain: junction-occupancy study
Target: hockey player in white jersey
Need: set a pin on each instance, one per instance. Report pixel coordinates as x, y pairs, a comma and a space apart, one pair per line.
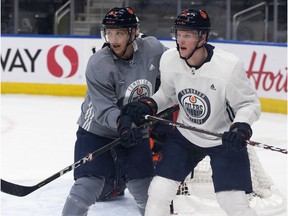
213, 92
123, 71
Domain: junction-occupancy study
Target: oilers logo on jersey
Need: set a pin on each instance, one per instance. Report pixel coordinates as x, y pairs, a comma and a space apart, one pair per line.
138, 89
195, 104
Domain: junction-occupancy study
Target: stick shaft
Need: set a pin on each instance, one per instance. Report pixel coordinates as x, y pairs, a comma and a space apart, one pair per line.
21, 190
180, 125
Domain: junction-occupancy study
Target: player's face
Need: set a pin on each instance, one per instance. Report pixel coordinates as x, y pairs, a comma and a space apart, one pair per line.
118, 39
187, 41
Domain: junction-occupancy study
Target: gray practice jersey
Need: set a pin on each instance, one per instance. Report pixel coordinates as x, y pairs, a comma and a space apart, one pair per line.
210, 97
113, 82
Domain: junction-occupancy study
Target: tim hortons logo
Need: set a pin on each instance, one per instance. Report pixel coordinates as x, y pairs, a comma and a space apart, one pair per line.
267, 80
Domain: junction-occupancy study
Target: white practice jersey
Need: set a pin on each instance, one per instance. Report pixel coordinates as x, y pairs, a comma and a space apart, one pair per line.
211, 97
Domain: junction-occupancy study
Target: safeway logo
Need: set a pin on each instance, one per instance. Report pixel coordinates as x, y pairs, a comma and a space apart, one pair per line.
62, 61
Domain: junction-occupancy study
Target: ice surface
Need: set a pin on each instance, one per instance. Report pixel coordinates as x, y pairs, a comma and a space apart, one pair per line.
37, 140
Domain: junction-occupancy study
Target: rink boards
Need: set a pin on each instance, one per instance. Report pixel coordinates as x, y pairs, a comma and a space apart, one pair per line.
56, 66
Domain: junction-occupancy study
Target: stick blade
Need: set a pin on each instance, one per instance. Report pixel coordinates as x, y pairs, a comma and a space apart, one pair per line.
16, 190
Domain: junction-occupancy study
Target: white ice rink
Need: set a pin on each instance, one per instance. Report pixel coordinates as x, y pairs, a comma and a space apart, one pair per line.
37, 140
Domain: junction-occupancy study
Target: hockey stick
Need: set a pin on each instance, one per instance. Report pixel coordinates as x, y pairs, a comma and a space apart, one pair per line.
180, 125
21, 190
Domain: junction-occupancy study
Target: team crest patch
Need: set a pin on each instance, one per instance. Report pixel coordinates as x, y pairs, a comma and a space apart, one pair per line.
196, 105
138, 89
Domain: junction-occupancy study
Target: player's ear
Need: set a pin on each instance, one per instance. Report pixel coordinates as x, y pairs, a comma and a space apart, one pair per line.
134, 32
203, 37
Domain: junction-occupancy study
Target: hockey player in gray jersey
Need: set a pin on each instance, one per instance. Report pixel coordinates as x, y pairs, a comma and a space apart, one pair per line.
213, 92
121, 72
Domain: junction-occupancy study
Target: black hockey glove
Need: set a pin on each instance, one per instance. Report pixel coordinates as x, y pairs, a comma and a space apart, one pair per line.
237, 136
129, 134
137, 110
